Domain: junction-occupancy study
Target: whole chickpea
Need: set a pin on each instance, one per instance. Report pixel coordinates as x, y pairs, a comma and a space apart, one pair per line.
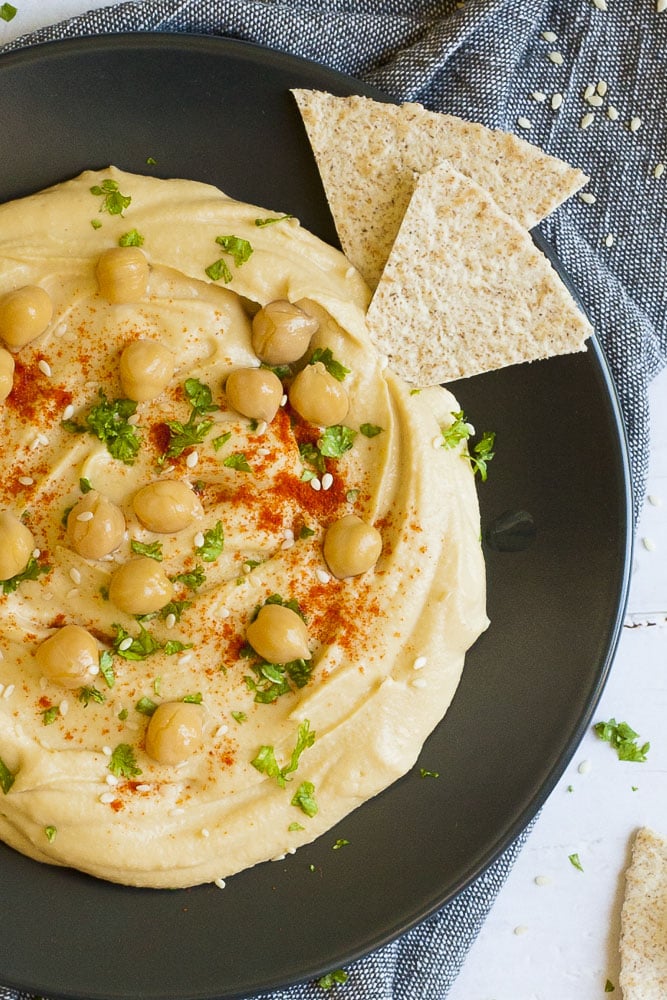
175, 731
25, 313
281, 332
95, 526
167, 505
351, 546
254, 392
279, 635
69, 657
16, 545
122, 274
318, 397
146, 368
140, 586
6, 374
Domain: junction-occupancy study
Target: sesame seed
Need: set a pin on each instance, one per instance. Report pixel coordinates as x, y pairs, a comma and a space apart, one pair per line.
635, 124
125, 643
587, 120
288, 533
283, 399
26, 480
2, 655
94, 670
222, 730
261, 427
556, 57
112, 780
68, 412
44, 367
106, 798
322, 575
589, 91
542, 880
315, 484
185, 658
36, 553
588, 197
419, 682
419, 663
437, 441
170, 620
537, 95
64, 706
612, 113
199, 539
71, 594
549, 36
220, 882
600, 4
133, 419
205, 832
192, 459
327, 481
524, 123
350, 273
85, 515
601, 87
520, 929
9, 691
648, 544
60, 330
609, 240
556, 101
75, 575
652, 499
143, 788
584, 767
287, 544
224, 612
659, 168
168, 470
595, 101
176, 811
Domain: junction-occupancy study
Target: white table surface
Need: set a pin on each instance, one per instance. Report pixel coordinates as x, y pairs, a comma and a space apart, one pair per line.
553, 931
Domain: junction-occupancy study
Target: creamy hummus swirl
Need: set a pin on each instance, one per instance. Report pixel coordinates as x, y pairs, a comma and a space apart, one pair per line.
387, 645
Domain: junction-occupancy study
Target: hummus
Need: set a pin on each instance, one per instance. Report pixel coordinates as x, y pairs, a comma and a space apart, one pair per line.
284, 750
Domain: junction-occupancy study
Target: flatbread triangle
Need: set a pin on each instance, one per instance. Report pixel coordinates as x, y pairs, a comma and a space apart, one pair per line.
465, 290
370, 153
643, 943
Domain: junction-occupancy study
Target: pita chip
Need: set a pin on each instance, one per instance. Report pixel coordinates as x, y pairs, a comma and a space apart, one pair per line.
465, 290
369, 155
643, 943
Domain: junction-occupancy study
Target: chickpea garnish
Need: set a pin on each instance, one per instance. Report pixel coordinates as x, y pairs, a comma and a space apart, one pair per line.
101, 528
281, 332
146, 368
254, 393
279, 635
318, 397
175, 731
16, 545
140, 586
24, 314
166, 505
6, 374
69, 657
351, 546
122, 274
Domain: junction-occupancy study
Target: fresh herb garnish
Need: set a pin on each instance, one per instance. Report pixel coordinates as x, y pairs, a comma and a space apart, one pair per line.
113, 202
304, 798
193, 699
239, 717
341, 842
173, 646
146, 706
85, 485
331, 979
123, 762
49, 715
237, 461
325, 356
269, 222
239, 249
212, 544
370, 430
175, 608
50, 833
131, 239
265, 761
194, 430
106, 668
575, 862
6, 777
139, 648
32, 571
221, 440
336, 440
623, 739
88, 694
193, 578
7, 12
459, 430
424, 773
219, 271
153, 550
108, 421
482, 453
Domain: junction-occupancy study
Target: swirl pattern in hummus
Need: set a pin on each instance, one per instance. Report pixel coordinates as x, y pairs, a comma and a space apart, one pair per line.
387, 646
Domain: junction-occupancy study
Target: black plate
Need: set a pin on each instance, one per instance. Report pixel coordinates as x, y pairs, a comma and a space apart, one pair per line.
219, 111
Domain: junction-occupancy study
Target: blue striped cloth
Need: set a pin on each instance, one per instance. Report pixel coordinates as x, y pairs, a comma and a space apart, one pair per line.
499, 62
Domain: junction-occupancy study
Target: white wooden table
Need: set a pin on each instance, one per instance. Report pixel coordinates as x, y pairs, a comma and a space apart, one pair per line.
553, 932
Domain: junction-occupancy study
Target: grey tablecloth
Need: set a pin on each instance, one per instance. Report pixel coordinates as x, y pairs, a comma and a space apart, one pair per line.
499, 62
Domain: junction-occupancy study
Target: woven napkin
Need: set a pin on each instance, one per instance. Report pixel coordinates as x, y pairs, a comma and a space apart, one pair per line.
580, 78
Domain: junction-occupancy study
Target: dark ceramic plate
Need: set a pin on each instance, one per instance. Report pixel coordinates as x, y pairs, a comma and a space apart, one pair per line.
555, 513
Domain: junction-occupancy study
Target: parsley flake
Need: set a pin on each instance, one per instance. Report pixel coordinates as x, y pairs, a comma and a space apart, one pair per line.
108, 421
106, 668
6, 777
145, 706
32, 571
325, 356
337, 978
7, 12
50, 833
49, 715
131, 239
237, 461
623, 739
575, 862
153, 550
138, 648
304, 798
113, 202
265, 761
88, 694
212, 544
370, 430
123, 762
270, 222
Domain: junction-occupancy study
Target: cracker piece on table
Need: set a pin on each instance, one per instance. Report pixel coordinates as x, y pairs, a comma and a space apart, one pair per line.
643, 942
465, 290
369, 155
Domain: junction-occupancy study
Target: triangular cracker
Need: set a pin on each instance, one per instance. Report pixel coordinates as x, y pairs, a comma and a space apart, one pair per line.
643, 944
465, 289
369, 154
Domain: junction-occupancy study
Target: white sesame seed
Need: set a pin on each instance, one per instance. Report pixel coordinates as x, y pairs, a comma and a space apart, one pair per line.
652, 499
595, 101
75, 575
322, 575
68, 412
584, 767
125, 643
8, 691
106, 798
549, 36
94, 670
220, 882
660, 6
71, 594
556, 101
520, 929
327, 481
609, 240
111, 779
261, 427
287, 544
542, 880
224, 612
26, 480
315, 484
185, 658
64, 706
283, 399
556, 57
612, 113
85, 515
601, 87
168, 470
264, 451
60, 330
170, 620
437, 441
222, 730
587, 120
36, 553
648, 544
107, 751
192, 459
204, 832
350, 273
2, 655
419, 663
539, 96
659, 168
600, 4
589, 91
419, 682
199, 540
588, 197
44, 367
143, 788
635, 124
524, 123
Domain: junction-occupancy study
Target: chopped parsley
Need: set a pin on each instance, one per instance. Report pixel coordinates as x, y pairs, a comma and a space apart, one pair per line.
609, 986
49, 715
173, 646
123, 762
269, 222
237, 461
193, 699
325, 356
113, 202
459, 430
336, 440
145, 706
239, 249
265, 761
337, 978
131, 239
108, 421
175, 608
575, 862
194, 430
153, 550
304, 798
239, 717
221, 440
424, 773
219, 271
139, 648
294, 827
50, 833
193, 578
106, 668
213, 543
482, 453
371, 430
6, 777
32, 571
341, 842
7, 12
88, 694
623, 739
85, 485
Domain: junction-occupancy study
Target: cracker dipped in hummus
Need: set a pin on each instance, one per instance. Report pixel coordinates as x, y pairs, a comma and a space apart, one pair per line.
240, 563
